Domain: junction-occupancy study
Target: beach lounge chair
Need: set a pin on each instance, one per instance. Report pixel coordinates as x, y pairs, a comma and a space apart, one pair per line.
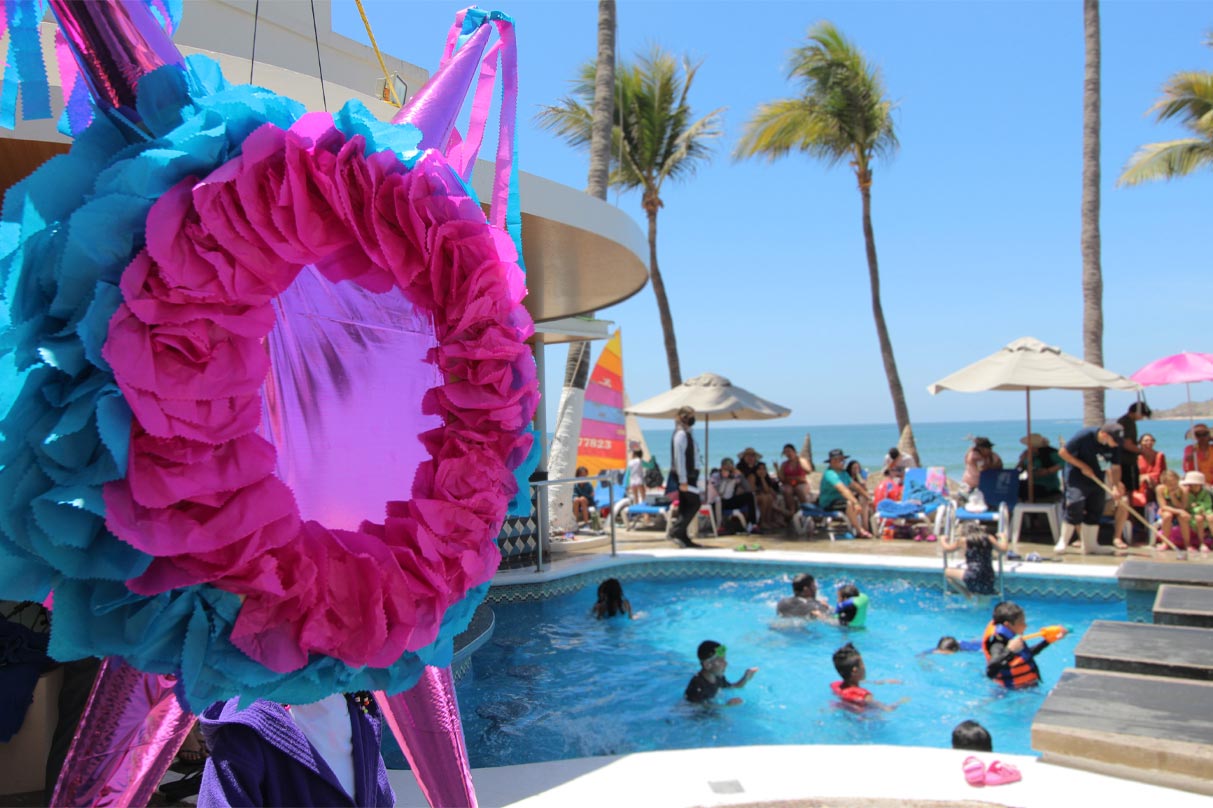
632, 512
924, 499
1000, 489
810, 518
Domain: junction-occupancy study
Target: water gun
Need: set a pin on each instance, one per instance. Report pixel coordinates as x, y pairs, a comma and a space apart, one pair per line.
1050, 633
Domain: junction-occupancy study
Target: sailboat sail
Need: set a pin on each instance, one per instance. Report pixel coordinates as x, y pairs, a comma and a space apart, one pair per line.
603, 442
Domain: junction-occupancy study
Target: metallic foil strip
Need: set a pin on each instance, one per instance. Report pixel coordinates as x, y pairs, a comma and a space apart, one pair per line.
131, 728
425, 720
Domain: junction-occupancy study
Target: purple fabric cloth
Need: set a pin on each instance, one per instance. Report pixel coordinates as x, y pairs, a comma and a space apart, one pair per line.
259, 756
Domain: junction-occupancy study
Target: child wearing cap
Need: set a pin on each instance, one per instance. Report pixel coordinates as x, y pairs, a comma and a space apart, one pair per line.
1200, 509
849, 664
705, 684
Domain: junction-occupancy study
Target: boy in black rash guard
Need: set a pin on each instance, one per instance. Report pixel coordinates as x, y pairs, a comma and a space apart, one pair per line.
707, 683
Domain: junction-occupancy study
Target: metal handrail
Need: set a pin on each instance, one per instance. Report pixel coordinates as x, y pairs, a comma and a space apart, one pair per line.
950, 524
541, 503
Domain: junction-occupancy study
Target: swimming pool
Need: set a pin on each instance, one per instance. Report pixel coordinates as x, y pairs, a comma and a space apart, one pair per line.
553, 683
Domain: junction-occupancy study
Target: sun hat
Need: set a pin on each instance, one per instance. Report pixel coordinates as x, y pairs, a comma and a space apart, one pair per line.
1114, 429
1035, 440
747, 450
1196, 428
983, 443
1194, 478
836, 453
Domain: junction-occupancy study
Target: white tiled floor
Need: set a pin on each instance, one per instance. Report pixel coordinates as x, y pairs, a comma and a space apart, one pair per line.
731, 776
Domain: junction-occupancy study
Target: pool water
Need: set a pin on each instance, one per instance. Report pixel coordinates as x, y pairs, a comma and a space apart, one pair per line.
554, 683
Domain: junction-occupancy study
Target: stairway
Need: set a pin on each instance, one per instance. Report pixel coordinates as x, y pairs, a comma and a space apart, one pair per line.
1139, 703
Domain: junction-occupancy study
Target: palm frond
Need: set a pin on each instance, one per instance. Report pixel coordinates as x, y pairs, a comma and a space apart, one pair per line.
569, 120
780, 127
1188, 96
1164, 161
656, 135
841, 113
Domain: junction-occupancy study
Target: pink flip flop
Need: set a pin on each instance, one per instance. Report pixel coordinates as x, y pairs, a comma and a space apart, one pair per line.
975, 771
999, 774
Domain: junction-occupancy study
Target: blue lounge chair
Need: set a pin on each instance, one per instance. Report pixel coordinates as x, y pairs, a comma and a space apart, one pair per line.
1000, 488
633, 512
812, 517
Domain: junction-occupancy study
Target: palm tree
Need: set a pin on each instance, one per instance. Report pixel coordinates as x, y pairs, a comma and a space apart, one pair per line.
566, 436
841, 114
1188, 97
1092, 272
656, 137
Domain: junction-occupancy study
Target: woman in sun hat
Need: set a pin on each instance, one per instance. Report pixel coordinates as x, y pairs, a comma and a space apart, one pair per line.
1199, 456
1046, 463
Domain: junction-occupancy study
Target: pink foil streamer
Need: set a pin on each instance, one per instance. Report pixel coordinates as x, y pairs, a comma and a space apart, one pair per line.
131, 728
435, 107
116, 44
425, 720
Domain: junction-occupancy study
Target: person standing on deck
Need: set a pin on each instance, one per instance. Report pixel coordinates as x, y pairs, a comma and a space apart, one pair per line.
684, 476
1092, 452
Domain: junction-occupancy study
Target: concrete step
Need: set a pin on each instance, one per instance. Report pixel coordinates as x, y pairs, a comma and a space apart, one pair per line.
1137, 573
1148, 728
1179, 652
1140, 580
1177, 605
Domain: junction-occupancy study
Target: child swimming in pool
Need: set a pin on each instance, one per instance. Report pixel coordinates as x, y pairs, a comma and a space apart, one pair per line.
611, 601
1009, 660
852, 608
705, 684
973, 737
849, 664
951, 645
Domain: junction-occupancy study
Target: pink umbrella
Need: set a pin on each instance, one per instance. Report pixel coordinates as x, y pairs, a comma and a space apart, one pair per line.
1181, 368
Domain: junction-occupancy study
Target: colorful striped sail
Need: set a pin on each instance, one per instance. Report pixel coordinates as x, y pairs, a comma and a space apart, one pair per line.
603, 443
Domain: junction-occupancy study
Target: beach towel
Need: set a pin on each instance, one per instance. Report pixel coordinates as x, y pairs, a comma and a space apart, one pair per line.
916, 498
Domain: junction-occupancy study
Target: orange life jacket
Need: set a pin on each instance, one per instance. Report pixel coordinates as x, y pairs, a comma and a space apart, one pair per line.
1019, 670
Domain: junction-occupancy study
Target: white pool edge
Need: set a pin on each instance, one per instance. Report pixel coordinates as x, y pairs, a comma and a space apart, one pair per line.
565, 567
738, 775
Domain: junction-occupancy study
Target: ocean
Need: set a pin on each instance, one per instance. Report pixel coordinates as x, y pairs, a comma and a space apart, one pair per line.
939, 444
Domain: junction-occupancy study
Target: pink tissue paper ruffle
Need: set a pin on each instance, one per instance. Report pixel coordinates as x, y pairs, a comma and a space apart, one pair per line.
186, 350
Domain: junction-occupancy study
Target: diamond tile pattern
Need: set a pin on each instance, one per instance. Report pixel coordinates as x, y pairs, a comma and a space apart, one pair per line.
1016, 584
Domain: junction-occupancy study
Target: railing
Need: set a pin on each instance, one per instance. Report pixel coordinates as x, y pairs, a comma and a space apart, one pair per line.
949, 521
541, 505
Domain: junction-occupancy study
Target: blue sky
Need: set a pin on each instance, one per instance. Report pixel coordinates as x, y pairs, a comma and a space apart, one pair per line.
977, 217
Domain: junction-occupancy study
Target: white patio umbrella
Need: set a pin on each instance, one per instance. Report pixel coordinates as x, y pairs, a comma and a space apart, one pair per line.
711, 396
1028, 364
